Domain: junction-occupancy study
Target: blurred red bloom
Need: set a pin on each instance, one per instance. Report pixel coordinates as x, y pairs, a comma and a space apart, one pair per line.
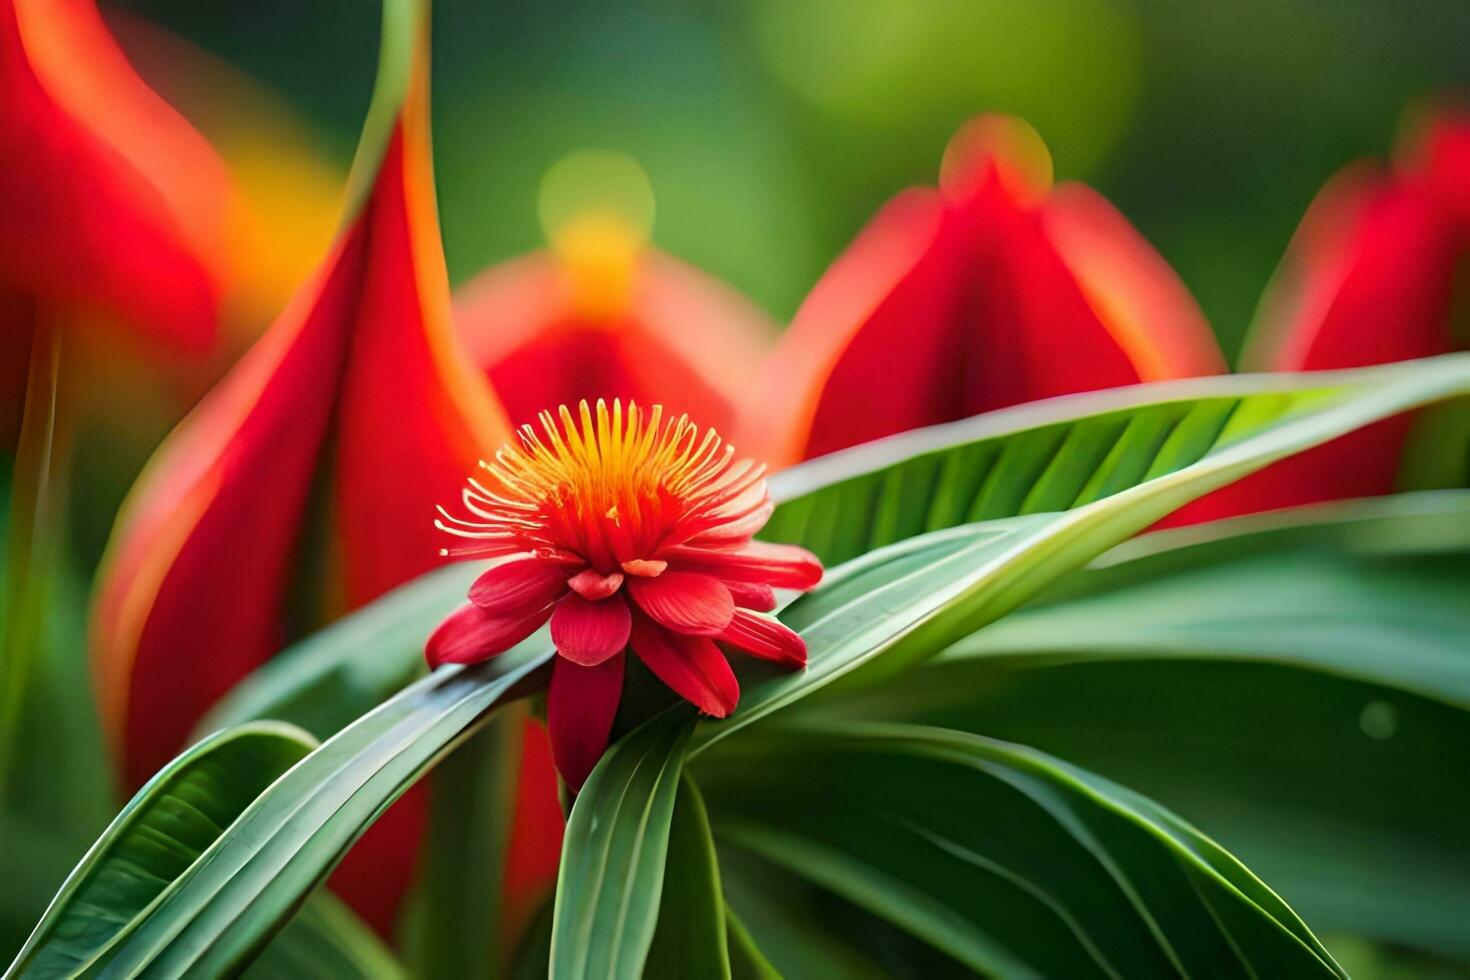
623, 531
359, 389
993, 290
602, 314
1376, 273
110, 199
112, 205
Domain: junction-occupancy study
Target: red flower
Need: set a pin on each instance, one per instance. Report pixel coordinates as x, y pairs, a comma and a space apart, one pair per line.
110, 201
1370, 276
994, 290
1374, 274
604, 314
623, 532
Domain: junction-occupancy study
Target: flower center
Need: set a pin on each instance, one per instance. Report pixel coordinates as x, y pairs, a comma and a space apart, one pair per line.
609, 492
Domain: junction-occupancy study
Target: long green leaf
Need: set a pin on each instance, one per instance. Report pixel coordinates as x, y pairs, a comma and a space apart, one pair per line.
156, 838
1345, 796
612, 864
1373, 590
1065, 453
216, 915
1011, 861
1295, 684
325, 939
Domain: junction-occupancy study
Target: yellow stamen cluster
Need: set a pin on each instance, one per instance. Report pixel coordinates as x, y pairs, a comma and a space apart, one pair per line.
607, 485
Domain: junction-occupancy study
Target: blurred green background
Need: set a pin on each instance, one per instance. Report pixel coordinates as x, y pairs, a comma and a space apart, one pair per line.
772, 129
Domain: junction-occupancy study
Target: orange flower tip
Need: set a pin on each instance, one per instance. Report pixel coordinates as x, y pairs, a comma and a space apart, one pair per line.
1004, 147
596, 210
627, 530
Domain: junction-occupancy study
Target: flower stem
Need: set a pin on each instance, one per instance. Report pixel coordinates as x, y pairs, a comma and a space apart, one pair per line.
31, 538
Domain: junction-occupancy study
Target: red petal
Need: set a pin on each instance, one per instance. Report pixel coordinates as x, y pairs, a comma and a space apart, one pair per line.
469, 634
782, 566
587, 633
518, 586
766, 638
685, 601
362, 359
888, 273
953, 304
1139, 299
645, 567
752, 595
691, 665
686, 340
109, 199
408, 394
1369, 277
1368, 248
580, 707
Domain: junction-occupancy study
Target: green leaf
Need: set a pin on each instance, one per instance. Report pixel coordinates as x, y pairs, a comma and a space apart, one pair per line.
219, 912
325, 939
1345, 796
612, 863
793, 921
1295, 684
747, 962
156, 838
690, 940
1152, 444
1333, 589
1011, 861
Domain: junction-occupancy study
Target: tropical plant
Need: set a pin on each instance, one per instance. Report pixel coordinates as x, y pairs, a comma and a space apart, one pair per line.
868, 810
1046, 680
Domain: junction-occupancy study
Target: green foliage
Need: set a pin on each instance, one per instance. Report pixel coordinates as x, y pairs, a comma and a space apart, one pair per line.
237, 894
1009, 860
157, 837
1295, 684
1153, 446
607, 899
